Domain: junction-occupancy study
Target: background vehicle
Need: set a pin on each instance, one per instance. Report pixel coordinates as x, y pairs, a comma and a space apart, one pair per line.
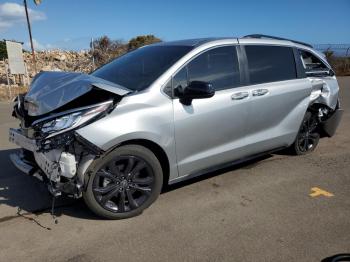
171, 111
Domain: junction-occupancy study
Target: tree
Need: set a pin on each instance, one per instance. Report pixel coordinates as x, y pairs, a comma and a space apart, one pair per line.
104, 49
3, 51
141, 41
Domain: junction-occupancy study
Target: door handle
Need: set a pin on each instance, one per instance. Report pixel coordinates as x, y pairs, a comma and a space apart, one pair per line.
239, 95
260, 92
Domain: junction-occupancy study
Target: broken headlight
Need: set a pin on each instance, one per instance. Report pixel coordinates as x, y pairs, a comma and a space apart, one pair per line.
66, 121
61, 123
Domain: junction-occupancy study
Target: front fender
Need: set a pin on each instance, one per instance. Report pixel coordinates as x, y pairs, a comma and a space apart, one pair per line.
134, 121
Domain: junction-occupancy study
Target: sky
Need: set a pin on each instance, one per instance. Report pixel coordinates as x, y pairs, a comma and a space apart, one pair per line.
69, 24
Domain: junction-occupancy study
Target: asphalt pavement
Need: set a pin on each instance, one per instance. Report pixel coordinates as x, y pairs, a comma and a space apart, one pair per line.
276, 208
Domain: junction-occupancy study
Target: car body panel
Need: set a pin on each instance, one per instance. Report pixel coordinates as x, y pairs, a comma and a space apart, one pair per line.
274, 118
144, 116
210, 131
329, 90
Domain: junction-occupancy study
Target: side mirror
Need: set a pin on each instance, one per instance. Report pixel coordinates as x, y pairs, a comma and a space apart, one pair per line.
195, 90
320, 73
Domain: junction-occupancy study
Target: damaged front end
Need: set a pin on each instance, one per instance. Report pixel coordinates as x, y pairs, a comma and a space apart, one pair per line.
51, 149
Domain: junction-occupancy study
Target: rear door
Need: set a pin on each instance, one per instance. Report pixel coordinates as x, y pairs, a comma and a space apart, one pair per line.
278, 97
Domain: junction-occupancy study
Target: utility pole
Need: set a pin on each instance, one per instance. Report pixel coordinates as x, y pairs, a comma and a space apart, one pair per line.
93, 55
30, 34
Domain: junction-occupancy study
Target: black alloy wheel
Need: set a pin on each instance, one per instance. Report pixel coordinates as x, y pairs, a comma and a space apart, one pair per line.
124, 182
308, 136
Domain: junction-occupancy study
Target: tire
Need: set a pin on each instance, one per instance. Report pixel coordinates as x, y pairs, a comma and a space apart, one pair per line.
308, 135
123, 183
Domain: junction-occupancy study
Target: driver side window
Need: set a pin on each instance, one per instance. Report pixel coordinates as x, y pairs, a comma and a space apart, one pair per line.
218, 66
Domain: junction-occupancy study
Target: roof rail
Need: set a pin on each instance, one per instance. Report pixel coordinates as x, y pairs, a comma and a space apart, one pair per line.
275, 37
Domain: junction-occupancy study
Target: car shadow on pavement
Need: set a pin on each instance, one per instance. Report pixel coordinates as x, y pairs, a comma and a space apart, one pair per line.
244, 165
29, 195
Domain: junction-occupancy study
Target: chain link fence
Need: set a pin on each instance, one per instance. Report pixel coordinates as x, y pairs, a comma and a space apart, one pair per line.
338, 55
341, 50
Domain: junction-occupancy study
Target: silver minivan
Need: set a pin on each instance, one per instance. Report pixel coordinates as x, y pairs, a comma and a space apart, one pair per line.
171, 111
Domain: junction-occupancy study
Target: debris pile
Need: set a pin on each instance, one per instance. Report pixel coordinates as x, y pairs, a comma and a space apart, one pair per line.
58, 60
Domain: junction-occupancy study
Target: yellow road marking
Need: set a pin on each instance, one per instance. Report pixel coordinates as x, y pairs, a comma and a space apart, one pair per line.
320, 192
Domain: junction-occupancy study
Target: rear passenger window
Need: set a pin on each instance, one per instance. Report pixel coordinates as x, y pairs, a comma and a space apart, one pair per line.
270, 63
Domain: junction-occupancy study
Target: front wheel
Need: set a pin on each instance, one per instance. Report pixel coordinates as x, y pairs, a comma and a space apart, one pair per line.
308, 135
124, 183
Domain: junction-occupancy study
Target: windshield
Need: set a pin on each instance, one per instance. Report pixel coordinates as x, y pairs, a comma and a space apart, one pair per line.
140, 68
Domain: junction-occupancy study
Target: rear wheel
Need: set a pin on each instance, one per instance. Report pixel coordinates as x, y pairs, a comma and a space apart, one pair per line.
308, 135
123, 183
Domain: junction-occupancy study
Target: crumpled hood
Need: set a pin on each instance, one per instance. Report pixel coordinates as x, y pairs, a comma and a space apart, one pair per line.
51, 90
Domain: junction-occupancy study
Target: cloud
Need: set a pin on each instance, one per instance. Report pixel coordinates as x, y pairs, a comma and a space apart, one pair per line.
71, 44
74, 44
38, 46
12, 14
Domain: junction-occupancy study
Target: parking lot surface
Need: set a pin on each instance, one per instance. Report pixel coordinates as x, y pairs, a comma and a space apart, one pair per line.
276, 208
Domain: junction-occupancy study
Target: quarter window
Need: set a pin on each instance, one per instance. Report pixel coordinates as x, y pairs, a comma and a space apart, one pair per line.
270, 63
311, 62
180, 79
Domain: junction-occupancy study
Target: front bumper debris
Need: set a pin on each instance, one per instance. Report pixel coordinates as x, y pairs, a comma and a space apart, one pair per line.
16, 137
62, 168
53, 163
